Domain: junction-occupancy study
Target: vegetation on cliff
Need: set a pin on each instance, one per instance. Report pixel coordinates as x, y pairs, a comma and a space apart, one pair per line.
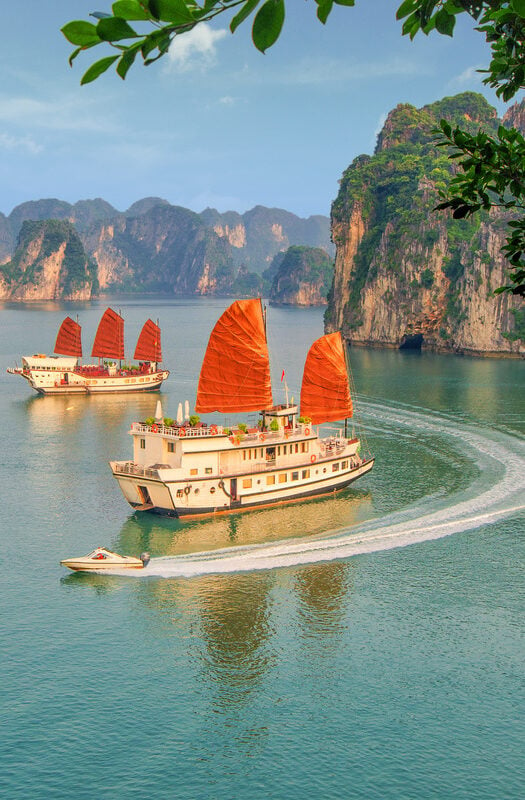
303, 276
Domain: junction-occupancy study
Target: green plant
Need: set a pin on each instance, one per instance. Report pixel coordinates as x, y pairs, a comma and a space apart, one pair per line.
149, 421
194, 420
304, 420
169, 421
274, 425
427, 278
242, 427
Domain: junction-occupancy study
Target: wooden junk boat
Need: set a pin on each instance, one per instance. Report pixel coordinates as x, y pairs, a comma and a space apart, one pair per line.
183, 470
64, 373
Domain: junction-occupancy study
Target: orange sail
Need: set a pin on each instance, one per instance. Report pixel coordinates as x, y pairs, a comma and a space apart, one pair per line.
325, 393
235, 374
109, 341
68, 341
148, 345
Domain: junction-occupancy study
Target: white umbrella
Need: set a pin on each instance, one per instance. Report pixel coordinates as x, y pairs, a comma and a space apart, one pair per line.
158, 412
179, 415
186, 409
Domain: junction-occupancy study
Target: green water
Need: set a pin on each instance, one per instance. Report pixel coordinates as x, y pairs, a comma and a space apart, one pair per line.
340, 648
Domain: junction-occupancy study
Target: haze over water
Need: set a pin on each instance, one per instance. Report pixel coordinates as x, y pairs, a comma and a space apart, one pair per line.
367, 646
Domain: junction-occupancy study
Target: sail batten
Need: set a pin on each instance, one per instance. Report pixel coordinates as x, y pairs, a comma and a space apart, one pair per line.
235, 374
325, 391
109, 339
68, 342
148, 345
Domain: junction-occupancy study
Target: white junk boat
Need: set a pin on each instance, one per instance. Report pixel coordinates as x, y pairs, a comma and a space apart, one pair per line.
180, 470
64, 374
101, 559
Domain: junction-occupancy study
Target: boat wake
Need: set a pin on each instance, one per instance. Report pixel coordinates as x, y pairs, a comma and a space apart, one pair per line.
497, 492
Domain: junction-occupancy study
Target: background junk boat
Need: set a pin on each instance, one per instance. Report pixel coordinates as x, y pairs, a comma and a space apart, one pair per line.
64, 374
180, 470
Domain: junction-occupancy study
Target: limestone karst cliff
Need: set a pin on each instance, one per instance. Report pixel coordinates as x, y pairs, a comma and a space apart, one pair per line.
302, 277
406, 275
49, 264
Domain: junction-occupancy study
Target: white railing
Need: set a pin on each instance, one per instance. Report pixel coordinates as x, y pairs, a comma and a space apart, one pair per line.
130, 468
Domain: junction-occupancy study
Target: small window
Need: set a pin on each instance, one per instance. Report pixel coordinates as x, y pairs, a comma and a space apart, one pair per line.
247, 483
142, 444
282, 477
279, 450
197, 491
171, 447
335, 467
194, 471
297, 448
212, 490
208, 470
306, 473
244, 455
284, 449
303, 447
270, 480
295, 476
344, 465
180, 492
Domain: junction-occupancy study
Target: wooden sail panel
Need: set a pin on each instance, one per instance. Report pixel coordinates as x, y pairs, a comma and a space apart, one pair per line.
68, 341
109, 340
148, 345
325, 392
235, 374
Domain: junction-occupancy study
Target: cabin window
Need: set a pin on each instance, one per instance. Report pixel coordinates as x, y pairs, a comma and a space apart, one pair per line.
282, 477
270, 480
244, 455
344, 465
295, 476
335, 467
171, 447
212, 490
279, 450
208, 471
297, 448
247, 483
306, 473
284, 449
197, 491
180, 492
142, 444
303, 447
194, 471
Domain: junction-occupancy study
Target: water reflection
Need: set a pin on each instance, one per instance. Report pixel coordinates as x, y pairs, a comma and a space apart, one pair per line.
162, 536
322, 590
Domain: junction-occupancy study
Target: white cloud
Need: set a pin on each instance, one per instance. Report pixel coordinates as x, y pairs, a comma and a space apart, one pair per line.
65, 113
25, 144
227, 100
468, 77
195, 50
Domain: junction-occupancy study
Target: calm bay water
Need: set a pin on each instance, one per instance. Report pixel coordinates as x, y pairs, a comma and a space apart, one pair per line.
329, 661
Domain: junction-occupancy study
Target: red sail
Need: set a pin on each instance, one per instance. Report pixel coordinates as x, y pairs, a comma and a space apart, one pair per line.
148, 345
109, 341
235, 374
68, 341
325, 393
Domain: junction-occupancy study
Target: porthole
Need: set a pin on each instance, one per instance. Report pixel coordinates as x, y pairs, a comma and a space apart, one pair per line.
197, 491
212, 490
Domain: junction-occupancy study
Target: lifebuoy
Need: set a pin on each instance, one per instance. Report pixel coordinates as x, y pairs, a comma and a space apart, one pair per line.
307, 431
154, 428
182, 432
187, 490
313, 458
262, 437
213, 430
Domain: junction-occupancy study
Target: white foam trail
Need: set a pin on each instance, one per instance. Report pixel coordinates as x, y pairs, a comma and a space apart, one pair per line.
498, 492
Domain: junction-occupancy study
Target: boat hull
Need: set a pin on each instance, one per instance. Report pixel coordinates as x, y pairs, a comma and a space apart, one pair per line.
80, 566
70, 382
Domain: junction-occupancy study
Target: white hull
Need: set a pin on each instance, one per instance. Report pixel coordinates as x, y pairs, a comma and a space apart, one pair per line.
68, 381
209, 473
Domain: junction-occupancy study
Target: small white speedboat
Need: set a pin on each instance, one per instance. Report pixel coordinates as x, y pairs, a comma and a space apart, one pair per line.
101, 558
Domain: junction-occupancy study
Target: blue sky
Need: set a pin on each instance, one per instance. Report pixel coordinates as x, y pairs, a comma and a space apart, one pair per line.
217, 123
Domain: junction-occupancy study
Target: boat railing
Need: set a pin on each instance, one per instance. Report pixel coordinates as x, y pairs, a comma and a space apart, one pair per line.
130, 468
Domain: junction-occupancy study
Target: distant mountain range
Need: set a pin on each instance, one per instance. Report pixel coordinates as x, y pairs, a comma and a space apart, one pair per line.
157, 247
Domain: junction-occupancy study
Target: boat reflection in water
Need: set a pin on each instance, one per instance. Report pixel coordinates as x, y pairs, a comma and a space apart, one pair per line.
164, 537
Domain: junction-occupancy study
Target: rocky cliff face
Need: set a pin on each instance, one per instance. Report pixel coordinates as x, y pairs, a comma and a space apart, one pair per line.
49, 264
302, 277
404, 275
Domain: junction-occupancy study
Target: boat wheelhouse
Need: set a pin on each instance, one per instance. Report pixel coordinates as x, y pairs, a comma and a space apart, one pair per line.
189, 470
65, 374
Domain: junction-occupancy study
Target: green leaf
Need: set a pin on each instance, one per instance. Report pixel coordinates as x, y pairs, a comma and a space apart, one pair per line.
97, 69
81, 33
127, 60
268, 24
174, 11
344, 2
406, 8
519, 7
445, 22
245, 11
323, 9
129, 9
115, 29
